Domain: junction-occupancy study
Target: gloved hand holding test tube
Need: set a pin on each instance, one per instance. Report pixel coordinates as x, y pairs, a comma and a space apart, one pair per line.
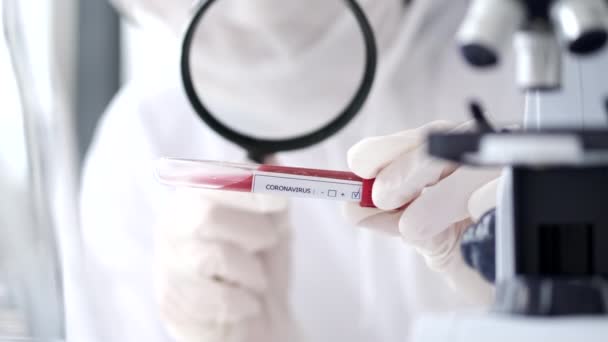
270, 179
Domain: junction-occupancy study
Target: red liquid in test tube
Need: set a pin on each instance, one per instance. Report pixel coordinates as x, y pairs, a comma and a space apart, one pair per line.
279, 180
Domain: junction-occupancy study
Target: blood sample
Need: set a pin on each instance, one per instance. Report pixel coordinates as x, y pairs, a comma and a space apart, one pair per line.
272, 179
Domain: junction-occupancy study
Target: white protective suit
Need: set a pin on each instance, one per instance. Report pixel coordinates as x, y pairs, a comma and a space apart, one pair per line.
347, 284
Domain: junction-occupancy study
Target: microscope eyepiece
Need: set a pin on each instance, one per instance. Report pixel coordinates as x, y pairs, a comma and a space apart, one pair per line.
479, 55
488, 29
582, 25
589, 42
538, 59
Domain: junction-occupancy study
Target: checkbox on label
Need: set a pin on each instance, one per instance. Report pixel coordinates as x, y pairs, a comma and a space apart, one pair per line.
332, 193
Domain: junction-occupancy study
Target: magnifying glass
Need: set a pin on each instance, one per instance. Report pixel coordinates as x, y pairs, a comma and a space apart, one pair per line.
260, 142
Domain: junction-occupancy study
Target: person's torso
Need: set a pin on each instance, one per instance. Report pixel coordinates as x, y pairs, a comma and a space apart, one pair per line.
348, 284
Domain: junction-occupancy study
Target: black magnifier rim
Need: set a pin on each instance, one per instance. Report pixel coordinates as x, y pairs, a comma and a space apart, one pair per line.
262, 147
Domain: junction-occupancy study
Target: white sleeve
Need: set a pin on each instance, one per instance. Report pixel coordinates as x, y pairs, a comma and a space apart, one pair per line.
116, 215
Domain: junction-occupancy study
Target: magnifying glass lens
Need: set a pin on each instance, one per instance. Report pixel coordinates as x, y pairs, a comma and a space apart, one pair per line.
276, 73
278, 82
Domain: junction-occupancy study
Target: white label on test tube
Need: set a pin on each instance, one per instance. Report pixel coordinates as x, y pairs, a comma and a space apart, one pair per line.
306, 186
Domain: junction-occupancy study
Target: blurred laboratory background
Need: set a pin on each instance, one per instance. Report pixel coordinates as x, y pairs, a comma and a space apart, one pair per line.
61, 62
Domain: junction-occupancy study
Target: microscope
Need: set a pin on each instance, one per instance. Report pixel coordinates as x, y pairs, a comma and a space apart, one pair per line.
549, 232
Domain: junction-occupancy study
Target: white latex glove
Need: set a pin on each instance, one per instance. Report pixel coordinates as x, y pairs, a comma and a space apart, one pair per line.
223, 262
426, 201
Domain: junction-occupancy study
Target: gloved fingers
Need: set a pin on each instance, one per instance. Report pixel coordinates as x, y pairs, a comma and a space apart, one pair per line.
249, 202
250, 329
441, 248
442, 204
190, 198
276, 263
371, 155
218, 261
191, 216
404, 179
442, 254
483, 200
205, 301
370, 218
468, 282
251, 232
